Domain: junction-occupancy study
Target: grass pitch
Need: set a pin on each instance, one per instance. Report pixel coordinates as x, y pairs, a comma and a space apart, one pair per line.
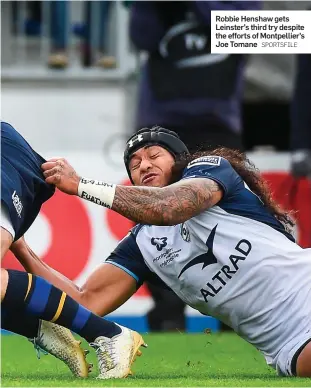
171, 360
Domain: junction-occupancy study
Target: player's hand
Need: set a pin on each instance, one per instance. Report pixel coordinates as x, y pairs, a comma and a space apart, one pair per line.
59, 172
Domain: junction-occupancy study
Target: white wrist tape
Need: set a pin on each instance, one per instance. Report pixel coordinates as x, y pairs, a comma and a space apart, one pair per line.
98, 192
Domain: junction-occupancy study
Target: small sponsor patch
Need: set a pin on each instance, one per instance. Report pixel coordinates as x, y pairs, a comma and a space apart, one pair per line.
209, 160
17, 204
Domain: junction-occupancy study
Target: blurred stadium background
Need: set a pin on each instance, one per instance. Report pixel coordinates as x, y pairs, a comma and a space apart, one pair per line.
70, 84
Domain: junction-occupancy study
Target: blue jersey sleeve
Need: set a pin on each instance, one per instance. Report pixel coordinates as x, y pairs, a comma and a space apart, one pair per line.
216, 168
128, 257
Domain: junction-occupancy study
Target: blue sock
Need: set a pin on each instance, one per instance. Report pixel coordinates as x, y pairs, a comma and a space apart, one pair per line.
33, 295
19, 323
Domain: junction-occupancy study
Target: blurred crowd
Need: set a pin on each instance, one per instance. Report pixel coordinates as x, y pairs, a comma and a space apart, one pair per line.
240, 101
91, 31
185, 88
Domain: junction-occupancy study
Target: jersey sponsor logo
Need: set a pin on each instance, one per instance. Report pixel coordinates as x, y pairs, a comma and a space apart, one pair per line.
184, 231
221, 278
159, 243
205, 160
207, 258
138, 138
96, 200
168, 255
17, 204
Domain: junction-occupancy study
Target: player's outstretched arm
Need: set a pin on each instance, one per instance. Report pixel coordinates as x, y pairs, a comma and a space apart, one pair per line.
33, 264
169, 205
106, 289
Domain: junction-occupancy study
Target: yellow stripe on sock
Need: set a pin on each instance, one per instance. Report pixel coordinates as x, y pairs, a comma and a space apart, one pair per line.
29, 285
60, 307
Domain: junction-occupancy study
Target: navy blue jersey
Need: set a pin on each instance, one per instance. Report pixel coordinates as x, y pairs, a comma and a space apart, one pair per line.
23, 188
238, 200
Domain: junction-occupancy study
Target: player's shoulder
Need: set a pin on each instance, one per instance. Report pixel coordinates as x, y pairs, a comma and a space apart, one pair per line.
7, 130
138, 232
143, 234
208, 160
216, 168
5, 125
135, 230
209, 163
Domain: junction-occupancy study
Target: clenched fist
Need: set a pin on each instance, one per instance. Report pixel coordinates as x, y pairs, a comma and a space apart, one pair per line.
59, 172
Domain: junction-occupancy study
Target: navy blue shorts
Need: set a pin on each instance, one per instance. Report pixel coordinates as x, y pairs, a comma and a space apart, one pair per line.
23, 188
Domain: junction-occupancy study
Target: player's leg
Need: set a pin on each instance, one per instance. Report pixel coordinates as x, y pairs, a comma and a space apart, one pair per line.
116, 346
6, 241
19, 323
23, 190
107, 288
7, 230
51, 338
55, 339
23, 291
303, 365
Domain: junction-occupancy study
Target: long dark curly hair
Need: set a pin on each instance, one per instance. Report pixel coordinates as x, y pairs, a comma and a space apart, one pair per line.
247, 171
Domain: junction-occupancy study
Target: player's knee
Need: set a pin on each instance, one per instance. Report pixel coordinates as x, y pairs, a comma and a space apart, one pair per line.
303, 366
4, 282
6, 242
306, 372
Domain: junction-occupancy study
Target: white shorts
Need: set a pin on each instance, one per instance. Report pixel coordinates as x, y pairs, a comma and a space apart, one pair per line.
284, 365
6, 220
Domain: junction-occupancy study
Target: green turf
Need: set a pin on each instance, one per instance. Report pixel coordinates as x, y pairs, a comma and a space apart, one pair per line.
170, 360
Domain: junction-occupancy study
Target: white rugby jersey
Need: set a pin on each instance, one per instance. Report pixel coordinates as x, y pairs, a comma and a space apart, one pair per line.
234, 261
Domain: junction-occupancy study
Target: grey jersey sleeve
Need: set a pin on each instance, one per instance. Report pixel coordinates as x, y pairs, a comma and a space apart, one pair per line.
128, 257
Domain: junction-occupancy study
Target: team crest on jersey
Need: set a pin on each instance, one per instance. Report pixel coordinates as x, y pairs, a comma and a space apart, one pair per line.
184, 231
159, 242
208, 160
